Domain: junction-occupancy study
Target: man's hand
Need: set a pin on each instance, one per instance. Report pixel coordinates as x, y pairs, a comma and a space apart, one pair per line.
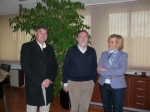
46, 83
65, 88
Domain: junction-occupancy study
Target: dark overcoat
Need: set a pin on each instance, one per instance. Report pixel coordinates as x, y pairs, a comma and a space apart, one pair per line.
37, 66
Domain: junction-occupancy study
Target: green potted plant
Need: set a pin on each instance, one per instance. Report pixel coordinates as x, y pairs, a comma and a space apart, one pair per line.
63, 22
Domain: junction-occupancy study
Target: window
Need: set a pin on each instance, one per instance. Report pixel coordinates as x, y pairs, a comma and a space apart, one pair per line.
129, 19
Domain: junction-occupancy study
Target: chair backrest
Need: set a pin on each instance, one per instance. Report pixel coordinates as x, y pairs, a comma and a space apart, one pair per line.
5, 67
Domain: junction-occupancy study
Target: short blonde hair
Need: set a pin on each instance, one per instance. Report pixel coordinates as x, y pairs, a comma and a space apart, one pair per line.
119, 40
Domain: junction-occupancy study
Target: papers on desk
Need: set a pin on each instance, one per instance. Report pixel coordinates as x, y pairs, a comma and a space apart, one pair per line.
3, 74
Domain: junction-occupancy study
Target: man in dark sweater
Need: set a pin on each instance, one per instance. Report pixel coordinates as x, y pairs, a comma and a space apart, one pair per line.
79, 73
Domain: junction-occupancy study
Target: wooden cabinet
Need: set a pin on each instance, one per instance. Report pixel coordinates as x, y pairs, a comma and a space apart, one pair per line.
126, 102
21, 77
140, 93
137, 93
96, 97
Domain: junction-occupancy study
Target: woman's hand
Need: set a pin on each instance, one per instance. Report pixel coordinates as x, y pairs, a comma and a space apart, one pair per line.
99, 68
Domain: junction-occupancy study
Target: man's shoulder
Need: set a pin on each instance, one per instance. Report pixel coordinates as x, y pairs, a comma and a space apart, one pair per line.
27, 44
72, 48
90, 48
48, 46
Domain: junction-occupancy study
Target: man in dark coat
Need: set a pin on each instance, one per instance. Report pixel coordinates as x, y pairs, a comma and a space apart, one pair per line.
40, 67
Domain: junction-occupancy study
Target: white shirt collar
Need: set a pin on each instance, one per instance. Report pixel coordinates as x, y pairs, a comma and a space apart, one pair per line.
83, 51
111, 51
44, 45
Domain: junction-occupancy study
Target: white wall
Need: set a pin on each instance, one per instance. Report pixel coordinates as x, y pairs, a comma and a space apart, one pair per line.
14, 74
14, 79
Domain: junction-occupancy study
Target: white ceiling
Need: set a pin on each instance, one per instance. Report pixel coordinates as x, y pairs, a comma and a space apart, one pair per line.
8, 7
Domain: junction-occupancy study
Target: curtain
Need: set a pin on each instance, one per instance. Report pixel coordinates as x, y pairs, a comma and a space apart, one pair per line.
10, 42
129, 19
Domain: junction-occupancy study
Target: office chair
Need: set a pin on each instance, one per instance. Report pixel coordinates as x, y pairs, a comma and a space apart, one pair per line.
2, 96
6, 81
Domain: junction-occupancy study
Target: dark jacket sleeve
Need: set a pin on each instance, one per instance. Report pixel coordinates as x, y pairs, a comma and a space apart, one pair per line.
53, 70
66, 67
94, 67
25, 61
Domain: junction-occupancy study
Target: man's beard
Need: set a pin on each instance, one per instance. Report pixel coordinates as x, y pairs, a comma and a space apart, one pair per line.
83, 43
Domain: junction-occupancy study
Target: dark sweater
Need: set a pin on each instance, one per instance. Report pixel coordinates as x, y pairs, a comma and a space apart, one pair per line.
80, 66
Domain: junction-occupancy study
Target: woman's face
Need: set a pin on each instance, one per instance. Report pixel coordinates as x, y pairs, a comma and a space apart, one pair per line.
112, 43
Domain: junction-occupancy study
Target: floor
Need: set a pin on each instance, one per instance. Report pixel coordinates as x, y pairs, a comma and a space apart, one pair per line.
17, 103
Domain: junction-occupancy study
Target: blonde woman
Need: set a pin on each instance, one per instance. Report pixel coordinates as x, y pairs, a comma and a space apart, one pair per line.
111, 68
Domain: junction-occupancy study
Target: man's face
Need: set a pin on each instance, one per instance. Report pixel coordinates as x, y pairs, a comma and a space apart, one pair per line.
41, 35
82, 39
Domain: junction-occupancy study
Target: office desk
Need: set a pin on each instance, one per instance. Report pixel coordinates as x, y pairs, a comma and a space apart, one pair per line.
3, 74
